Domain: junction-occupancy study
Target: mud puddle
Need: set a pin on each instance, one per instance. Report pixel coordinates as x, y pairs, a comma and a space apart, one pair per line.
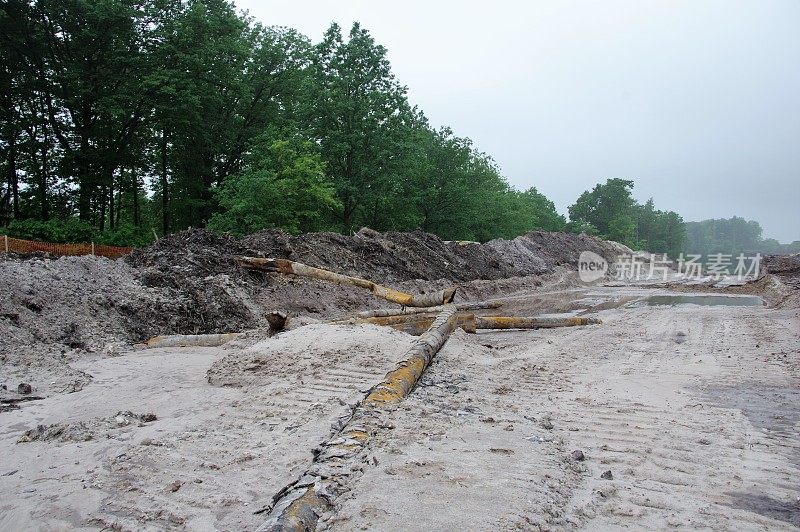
704, 300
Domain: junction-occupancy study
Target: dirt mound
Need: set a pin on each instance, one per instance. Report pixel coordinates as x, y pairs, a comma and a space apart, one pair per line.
56, 310
393, 257
200, 288
782, 264
785, 267
195, 253
189, 283
388, 257
563, 249
68, 301
309, 352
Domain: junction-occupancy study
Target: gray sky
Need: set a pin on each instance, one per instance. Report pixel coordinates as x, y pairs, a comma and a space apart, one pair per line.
697, 101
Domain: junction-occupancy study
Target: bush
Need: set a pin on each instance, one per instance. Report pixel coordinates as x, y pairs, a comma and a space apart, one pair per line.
60, 231
73, 231
126, 235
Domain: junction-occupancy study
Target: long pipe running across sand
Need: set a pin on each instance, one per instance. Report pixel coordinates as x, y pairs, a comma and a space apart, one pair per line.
298, 506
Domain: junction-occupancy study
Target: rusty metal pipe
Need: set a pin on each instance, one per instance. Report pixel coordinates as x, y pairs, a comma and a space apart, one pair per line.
414, 324
515, 322
288, 267
386, 312
191, 340
298, 507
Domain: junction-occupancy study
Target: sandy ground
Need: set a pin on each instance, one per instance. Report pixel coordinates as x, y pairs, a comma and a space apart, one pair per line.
694, 410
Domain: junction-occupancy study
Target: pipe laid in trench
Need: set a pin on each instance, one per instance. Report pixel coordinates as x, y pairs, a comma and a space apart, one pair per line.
288, 267
414, 324
386, 312
298, 506
515, 322
191, 340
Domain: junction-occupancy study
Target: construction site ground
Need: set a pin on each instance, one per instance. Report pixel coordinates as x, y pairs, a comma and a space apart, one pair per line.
685, 416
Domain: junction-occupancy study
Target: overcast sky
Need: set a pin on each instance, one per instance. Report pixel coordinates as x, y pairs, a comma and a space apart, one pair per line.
697, 101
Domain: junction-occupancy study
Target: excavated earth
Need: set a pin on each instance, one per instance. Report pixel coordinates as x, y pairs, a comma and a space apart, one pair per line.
680, 415
57, 310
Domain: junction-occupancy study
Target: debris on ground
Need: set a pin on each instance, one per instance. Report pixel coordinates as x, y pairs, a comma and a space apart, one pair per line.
578, 455
80, 431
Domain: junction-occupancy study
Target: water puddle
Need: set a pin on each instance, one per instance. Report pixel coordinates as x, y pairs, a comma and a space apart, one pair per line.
705, 300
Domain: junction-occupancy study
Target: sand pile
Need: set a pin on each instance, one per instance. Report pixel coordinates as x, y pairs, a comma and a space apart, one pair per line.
311, 352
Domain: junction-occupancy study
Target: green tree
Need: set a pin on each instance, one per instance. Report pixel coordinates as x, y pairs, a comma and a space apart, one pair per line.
137, 115
361, 118
88, 58
609, 208
610, 211
282, 185
731, 236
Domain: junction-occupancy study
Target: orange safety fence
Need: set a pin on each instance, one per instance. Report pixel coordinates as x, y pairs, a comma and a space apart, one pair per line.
16, 245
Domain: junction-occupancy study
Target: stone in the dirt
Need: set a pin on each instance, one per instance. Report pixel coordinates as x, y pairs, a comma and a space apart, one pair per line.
175, 486
607, 475
24, 388
578, 455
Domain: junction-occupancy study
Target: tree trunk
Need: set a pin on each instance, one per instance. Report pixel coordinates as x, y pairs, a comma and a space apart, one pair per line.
135, 189
119, 208
111, 211
102, 208
164, 184
45, 177
84, 189
13, 180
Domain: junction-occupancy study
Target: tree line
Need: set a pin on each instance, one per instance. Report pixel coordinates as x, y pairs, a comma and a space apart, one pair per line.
610, 211
129, 117
733, 236
126, 119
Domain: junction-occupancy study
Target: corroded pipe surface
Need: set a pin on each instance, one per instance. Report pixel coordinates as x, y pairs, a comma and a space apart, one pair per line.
191, 340
298, 507
288, 267
414, 324
386, 312
514, 322
399, 383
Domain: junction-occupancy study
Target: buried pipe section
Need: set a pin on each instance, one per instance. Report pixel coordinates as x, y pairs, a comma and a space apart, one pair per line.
515, 322
386, 312
298, 506
191, 340
414, 324
288, 267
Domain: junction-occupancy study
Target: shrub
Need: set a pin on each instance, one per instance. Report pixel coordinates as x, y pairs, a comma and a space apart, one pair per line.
60, 231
